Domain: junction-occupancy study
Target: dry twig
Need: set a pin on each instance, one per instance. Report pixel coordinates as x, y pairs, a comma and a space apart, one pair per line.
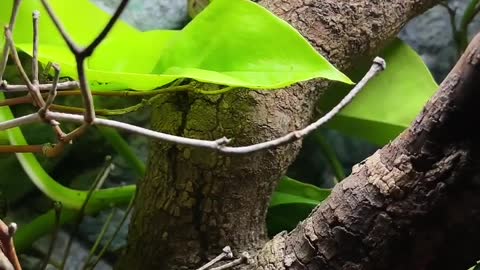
226, 254
243, 259
219, 145
7, 248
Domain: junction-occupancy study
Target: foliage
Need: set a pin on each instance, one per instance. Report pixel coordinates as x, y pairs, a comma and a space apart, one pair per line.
390, 101
291, 203
229, 43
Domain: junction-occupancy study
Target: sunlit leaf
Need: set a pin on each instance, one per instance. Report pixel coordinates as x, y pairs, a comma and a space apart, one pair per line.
389, 102
232, 42
240, 43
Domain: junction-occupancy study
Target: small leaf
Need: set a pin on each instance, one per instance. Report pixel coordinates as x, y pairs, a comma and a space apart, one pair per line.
292, 191
389, 102
291, 203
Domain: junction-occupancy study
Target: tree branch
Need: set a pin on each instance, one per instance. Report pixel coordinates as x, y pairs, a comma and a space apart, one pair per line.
392, 212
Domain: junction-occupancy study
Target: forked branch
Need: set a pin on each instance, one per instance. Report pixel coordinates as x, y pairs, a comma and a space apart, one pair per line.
88, 118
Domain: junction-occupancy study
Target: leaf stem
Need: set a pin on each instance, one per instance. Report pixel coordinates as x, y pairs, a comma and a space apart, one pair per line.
331, 156
100, 236
101, 177
215, 92
101, 112
21, 148
114, 235
122, 147
470, 12
58, 212
45, 223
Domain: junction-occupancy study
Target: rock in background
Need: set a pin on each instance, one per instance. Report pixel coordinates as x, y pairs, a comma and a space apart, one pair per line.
151, 14
431, 36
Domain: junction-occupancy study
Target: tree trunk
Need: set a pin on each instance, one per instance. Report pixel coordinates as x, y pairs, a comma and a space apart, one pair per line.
193, 202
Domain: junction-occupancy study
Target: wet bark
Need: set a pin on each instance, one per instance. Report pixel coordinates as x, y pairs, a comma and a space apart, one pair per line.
193, 202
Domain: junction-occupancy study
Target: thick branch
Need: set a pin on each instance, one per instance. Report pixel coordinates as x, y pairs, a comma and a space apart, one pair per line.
413, 204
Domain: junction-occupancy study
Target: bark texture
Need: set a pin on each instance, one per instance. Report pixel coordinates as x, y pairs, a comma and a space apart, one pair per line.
412, 205
193, 202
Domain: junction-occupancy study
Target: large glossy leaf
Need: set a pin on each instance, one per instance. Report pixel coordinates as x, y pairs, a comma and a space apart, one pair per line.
291, 203
245, 46
232, 42
389, 102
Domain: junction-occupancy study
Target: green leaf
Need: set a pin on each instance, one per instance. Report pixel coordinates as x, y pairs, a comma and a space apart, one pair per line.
292, 191
291, 203
232, 42
82, 19
240, 43
389, 102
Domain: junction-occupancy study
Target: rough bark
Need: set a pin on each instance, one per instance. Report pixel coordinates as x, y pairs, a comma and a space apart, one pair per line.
412, 205
193, 202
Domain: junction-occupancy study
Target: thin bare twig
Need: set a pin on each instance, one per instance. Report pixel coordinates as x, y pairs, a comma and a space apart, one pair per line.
219, 145
16, 59
90, 48
21, 148
101, 112
80, 56
32, 88
7, 247
101, 177
226, 254
378, 66
36, 16
16, 101
57, 206
69, 85
20, 121
89, 116
86, 93
50, 98
68, 89
100, 236
6, 48
114, 235
244, 259
53, 92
